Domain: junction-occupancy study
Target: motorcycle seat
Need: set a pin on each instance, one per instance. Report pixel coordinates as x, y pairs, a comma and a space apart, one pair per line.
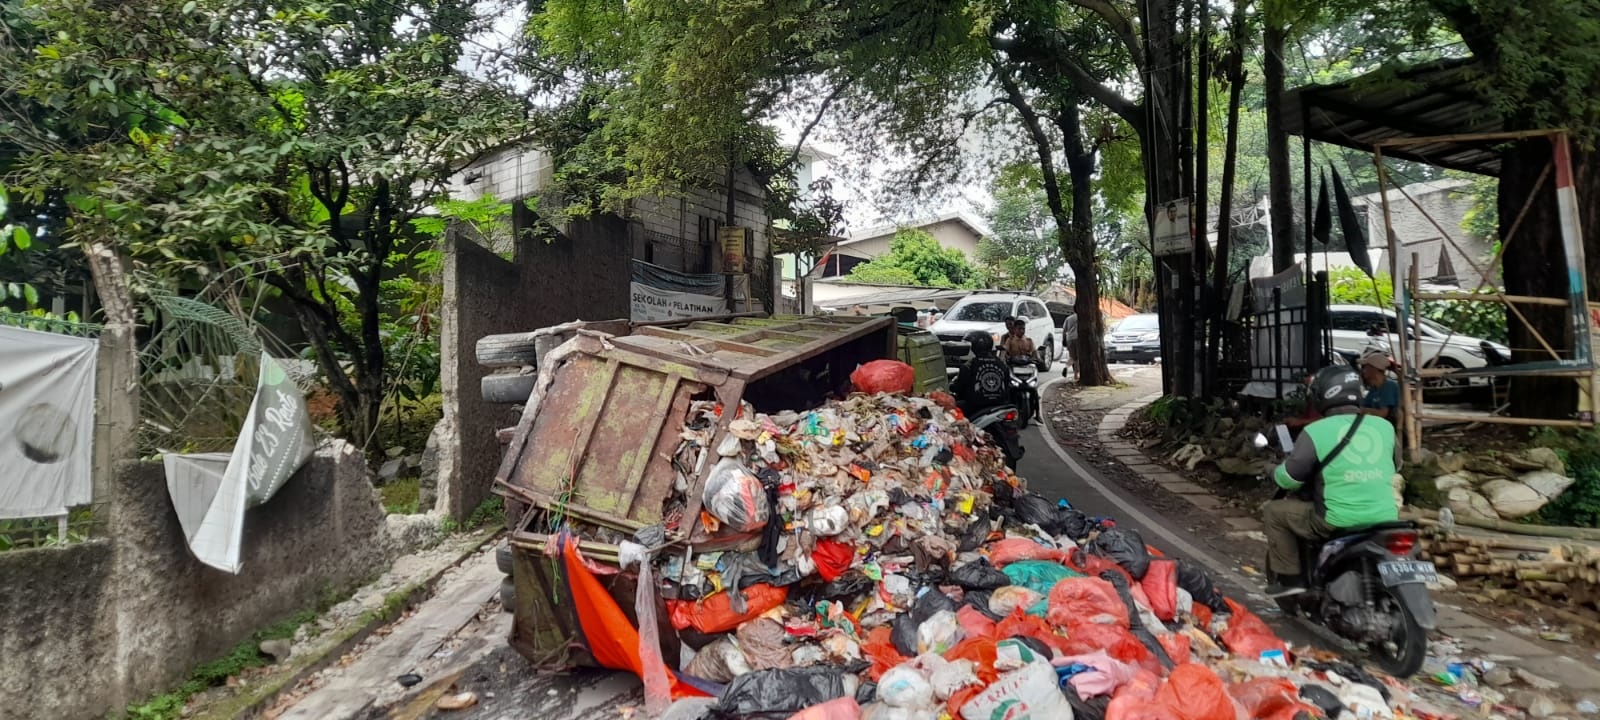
1368, 530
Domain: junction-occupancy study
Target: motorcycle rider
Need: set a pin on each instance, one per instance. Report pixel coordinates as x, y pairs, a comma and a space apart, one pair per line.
1015, 342
1341, 467
985, 382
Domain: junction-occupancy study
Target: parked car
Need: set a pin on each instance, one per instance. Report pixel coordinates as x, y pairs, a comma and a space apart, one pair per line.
987, 312
1137, 338
1441, 347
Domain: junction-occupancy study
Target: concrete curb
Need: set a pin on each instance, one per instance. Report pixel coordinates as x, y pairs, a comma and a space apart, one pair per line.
1135, 459
267, 691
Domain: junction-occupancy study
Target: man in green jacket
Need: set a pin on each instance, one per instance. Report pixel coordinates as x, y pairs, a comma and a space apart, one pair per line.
1339, 472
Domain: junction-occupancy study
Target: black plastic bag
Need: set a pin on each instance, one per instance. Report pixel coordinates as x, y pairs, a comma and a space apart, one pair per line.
1035, 510
973, 536
851, 585
979, 600
1124, 547
867, 693
1323, 698
903, 629
1074, 524
777, 694
1352, 672
1034, 644
1092, 709
1198, 583
903, 633
979, 575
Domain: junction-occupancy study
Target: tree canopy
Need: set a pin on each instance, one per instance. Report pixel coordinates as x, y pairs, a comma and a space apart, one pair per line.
916, 258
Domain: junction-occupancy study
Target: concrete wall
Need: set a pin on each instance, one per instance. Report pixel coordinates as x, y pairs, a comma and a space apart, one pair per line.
949, 233
90, 628
1446, 204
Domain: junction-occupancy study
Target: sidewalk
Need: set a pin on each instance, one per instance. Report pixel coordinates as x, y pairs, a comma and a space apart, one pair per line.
1461, 620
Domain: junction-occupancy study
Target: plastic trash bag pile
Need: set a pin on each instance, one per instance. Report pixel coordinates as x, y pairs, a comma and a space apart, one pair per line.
874, 558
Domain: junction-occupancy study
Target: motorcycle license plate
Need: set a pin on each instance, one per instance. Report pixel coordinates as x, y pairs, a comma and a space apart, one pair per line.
1407, 571
1124, 348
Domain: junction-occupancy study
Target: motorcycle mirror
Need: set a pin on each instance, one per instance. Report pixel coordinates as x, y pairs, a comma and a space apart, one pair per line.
1260, 441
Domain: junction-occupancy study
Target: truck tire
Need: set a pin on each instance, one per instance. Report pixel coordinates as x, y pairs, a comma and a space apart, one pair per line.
508, 596
507, 389
507, 350
502, 558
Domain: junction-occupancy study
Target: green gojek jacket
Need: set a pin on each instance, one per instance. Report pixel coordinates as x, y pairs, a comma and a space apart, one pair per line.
1353, 489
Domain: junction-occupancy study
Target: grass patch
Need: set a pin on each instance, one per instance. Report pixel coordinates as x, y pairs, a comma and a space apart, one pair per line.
402, 496
489, 511
244, 656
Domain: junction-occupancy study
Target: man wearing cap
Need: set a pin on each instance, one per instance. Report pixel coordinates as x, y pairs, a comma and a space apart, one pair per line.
1383, 393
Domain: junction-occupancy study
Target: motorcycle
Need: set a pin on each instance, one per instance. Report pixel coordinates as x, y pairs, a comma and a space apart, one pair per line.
1367, 586
1025, 387
1003, 425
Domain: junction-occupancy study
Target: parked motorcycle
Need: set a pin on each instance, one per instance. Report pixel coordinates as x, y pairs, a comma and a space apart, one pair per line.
1367, 586
1003, 423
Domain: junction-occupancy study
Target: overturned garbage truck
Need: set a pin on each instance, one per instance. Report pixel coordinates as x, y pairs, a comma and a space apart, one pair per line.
711, 507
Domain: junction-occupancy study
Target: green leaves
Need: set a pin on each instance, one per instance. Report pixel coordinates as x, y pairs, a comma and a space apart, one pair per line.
916, 258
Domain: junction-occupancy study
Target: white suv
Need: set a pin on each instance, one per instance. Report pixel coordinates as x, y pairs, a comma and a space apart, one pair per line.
1440, 347
987, 312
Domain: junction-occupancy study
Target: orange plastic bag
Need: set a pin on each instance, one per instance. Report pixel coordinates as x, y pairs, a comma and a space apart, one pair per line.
1076, 601
974, 624
1194, 692
1085, 638
1160, 585
1010, 550
715, 614
1136, 700
838, 709
879, 649
885, 376
1270, 699
612, 639
1247, 636
1021, 624
1177, 646
982, 653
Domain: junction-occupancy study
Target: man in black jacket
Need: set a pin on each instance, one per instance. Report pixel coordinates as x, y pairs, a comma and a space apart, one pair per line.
986, 381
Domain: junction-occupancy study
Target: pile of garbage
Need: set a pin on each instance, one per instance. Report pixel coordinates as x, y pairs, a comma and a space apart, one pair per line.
874, 558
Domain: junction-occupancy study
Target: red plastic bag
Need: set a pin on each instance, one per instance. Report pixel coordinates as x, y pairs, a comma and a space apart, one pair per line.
1021, 624
1136, 700
844, 708
974, 624
832, 558
1247, 636
612, 639
1010, 550
1160, 586
1270, 699
1194, 692
715, 614
885, 376
1078, 601
1086, 638
880, 650
1177, 646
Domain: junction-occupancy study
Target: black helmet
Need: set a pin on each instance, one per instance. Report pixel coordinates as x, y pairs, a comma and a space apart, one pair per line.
1336, 387
982, 343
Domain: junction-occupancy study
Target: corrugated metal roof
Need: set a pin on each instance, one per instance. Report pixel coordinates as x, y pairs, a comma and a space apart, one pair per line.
1424, 101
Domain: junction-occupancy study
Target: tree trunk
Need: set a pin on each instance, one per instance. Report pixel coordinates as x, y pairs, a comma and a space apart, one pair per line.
117, 385
1230, 152
1279, 190
1534, 266
1079, 248
1160, 135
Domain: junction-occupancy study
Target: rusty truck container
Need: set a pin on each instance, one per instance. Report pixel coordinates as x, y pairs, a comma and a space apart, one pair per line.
596, 442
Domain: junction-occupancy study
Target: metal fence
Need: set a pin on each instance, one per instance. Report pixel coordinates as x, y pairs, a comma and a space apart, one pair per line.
1289, 332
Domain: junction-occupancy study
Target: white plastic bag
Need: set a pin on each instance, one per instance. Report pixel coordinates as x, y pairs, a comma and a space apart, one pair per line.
904, 687
939, 633
734, 495
1027, 694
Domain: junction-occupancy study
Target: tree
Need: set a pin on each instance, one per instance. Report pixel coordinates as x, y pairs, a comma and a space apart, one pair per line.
1024, 252
290, 145
916, 258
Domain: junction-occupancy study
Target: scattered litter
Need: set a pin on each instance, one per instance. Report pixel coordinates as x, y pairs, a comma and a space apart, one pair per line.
409, 680
875, 558
458, 701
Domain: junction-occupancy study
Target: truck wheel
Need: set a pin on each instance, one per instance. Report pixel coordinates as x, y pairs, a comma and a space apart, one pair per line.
507, 350
507, 389
502, 558
508, 595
